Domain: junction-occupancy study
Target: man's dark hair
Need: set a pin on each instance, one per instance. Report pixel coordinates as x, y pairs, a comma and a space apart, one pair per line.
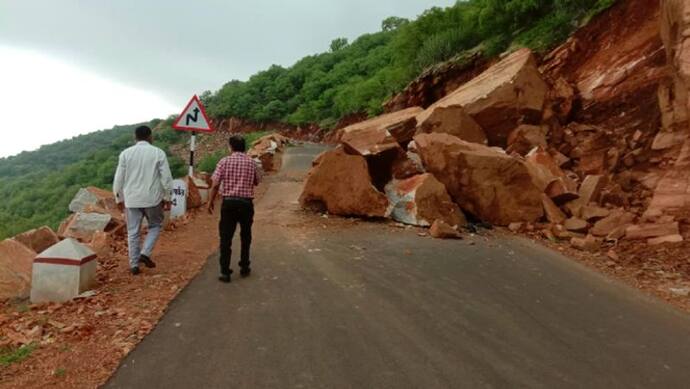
143, 133
237, 143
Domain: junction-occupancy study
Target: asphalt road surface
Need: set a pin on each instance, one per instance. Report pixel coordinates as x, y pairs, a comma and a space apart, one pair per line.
364, 305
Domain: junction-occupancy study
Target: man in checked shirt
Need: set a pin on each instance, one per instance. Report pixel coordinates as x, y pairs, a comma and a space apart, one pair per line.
236, 176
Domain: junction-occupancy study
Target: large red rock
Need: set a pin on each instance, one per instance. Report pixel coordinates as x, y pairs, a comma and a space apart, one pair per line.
38, 239
381, 133
507, 94
16, 261
340, 183
489, 184
420, 200
453, 120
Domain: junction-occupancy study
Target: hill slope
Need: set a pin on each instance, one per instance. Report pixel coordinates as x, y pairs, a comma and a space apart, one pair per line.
351, 78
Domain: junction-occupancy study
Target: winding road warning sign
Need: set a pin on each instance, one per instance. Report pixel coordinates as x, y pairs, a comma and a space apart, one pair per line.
193, 118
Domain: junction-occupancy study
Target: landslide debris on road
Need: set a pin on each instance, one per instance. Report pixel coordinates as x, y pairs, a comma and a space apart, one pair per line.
580, 145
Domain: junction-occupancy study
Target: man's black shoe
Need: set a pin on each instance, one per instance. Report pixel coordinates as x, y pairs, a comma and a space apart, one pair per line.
244, 273
147, 261
135, 271
224, 278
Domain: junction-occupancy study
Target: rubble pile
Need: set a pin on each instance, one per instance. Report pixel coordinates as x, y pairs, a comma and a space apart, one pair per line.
556, 146
268, 151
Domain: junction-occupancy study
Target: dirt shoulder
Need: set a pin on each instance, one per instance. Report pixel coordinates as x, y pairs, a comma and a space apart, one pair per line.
80, 343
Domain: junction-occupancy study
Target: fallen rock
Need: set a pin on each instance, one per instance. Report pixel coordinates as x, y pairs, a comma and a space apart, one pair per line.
553, 213
92, 196
101, 244
588, 243
561, 232
525, 138
615, 220
381, 133
84, 225
420, 200
576, 225
452, 120
491, 185
590, 191
558, 191
268, 151
508, 93
649, 230
545, 171
15, 269
515, 227
341, 184
676, 238
593, 213
38, 239
442, 230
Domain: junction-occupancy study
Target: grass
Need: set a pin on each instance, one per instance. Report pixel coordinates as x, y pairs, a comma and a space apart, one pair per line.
10, 356
208, 164
60, 372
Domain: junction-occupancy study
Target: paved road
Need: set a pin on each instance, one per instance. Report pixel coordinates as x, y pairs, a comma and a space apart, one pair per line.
371, 307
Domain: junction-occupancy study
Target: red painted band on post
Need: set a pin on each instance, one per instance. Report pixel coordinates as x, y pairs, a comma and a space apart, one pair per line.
65, 261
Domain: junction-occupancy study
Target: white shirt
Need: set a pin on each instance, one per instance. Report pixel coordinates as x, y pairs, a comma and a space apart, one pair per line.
143, 177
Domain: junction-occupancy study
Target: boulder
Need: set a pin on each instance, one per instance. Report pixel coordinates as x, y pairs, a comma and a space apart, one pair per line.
340, 183
381, 133
265, 141
38, 239
525, 138
507, 94
442, 230
491, 185
452, 120
15, 269
84, 225
420, 200
615, 220
92, 196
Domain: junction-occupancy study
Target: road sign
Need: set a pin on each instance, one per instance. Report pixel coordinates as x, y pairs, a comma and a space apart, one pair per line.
193, 118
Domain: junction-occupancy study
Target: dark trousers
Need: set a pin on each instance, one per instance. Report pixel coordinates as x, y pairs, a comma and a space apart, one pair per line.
234, 211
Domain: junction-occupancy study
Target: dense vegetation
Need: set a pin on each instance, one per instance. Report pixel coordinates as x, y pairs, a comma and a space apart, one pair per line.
36, 187
359, 76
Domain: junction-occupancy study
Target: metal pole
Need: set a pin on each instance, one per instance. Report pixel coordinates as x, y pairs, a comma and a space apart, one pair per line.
191, 154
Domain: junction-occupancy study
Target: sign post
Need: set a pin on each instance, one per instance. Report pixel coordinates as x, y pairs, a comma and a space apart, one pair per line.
193, 118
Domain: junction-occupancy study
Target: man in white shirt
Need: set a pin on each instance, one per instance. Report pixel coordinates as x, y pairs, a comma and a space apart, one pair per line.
143, 182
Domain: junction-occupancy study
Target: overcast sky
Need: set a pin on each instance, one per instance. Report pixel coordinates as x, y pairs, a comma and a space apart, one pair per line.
74, 66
